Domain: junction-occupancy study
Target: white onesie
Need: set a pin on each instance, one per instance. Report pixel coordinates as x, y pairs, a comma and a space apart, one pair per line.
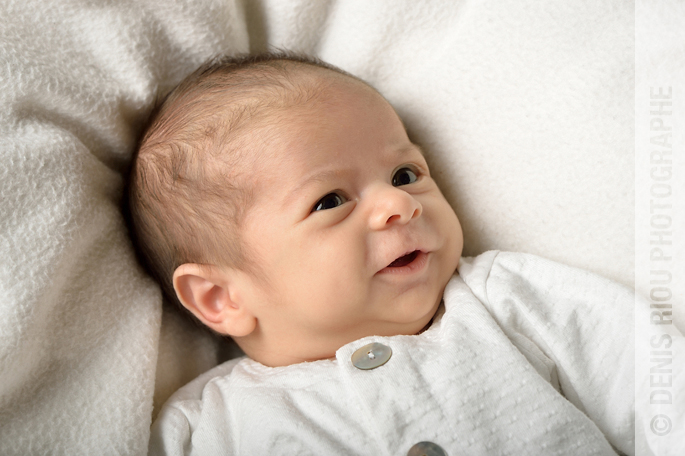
527, 357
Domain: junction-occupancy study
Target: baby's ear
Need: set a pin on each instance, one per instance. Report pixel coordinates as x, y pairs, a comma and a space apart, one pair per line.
209, 293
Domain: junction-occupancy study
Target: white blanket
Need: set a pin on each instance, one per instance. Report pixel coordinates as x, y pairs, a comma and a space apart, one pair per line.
524, 109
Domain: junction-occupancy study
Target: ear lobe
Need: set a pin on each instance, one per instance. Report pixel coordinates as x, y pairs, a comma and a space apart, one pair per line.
206, 291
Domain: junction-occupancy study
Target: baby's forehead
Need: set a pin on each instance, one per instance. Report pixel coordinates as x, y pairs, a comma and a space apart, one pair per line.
250, 124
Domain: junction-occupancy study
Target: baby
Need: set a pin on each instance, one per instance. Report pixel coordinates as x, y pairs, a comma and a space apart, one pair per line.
280, 200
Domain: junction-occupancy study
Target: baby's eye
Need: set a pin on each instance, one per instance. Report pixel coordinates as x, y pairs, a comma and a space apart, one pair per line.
404, 176
329, 201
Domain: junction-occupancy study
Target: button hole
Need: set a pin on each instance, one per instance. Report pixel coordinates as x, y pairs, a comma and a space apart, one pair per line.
371, 355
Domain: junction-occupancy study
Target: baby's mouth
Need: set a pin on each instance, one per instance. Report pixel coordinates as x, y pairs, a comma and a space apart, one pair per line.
404, 260
409, 263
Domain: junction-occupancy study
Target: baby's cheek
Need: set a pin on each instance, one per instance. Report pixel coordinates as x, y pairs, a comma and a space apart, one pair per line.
448, 221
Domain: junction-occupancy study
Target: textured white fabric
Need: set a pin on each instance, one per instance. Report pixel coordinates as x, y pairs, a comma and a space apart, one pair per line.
461, 384
524, 109
79, 320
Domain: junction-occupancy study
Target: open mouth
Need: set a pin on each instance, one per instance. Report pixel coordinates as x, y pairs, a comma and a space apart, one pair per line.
404, 260
409, 263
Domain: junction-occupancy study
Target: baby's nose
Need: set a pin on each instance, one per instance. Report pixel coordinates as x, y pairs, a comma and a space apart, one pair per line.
392, 206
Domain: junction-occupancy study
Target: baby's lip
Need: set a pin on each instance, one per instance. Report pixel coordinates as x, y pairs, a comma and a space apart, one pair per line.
405, 257
409, 263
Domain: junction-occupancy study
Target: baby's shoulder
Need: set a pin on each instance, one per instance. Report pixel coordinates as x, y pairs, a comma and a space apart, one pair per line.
516, 269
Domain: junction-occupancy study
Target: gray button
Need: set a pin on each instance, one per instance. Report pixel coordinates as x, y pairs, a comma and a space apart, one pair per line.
426, 449
371, 356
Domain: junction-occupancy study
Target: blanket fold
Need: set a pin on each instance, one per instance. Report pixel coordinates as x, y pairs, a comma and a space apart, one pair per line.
527, 127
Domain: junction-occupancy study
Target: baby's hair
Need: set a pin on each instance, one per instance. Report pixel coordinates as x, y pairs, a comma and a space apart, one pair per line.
189, 188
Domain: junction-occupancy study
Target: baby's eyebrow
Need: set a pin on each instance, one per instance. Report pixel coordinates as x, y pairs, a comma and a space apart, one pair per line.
322, 176
410, 148
406, 149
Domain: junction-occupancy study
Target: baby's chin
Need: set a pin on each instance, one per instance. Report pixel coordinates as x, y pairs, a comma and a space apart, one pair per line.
422, 322
427, 325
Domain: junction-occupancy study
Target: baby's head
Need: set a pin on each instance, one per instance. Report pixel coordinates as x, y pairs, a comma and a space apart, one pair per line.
281, 201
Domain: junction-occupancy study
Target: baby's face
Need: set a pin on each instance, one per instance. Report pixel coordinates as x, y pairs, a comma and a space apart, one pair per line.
352, 235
